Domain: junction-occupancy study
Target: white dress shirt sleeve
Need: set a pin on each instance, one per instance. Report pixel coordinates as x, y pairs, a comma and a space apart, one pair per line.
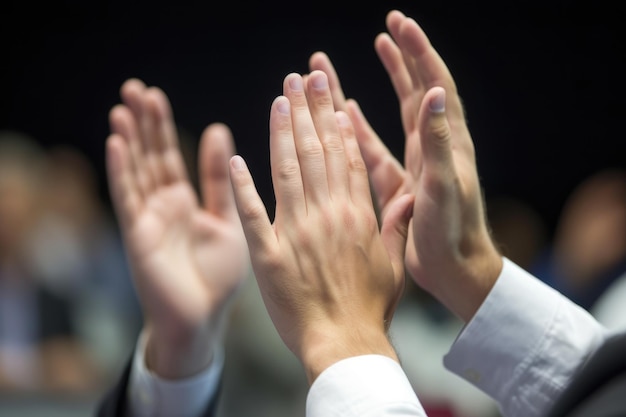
524, 344
363, 386
150, 395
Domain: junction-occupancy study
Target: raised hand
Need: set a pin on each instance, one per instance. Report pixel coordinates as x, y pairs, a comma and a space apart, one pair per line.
187, 257
449, 250
329, 279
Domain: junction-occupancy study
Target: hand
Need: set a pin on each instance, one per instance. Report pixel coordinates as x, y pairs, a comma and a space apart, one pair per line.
187, 259
329, 279
450, 252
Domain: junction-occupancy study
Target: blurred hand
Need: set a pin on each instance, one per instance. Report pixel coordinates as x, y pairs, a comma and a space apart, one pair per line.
187, 258
450, 252
329, 279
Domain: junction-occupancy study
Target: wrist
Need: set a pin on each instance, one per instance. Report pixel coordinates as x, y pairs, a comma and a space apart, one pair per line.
175, 353
321, 349
479, 277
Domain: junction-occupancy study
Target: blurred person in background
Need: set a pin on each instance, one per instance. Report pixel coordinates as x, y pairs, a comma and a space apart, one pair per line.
40, 349
587, 256
78, 251
518, 229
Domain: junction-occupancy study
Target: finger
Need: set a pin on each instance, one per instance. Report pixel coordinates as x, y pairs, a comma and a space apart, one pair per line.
394, 22
385, 172
323, 115
431, 68
359, 187
165, 137
403, 84
123, 123
216, 149
286, 175
148, 121
256, 224
124, 190
308, 146
394, 232
320, 61
436, 139
132, 93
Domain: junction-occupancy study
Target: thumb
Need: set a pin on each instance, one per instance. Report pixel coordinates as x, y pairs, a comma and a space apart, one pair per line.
394, 232
436, 139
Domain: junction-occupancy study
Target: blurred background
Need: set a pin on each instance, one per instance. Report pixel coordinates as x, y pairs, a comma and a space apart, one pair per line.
544, 87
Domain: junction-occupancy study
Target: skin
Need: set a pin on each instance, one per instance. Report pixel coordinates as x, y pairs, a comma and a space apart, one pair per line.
450, 252
329, 278
188, 254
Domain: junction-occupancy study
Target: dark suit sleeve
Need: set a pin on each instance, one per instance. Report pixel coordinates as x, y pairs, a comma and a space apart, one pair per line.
115, 401
599, 388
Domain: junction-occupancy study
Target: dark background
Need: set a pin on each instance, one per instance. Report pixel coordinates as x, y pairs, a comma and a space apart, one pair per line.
543, 83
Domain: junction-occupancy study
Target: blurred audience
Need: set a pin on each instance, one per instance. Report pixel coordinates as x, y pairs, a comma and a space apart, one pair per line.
78, 251
68, 312
39, 346
588, 252
517, 228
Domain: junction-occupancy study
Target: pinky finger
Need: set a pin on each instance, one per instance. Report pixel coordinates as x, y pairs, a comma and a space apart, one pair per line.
252, 212
125, 194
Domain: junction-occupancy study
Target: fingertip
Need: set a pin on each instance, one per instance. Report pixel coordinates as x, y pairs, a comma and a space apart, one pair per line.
394, 15
343, 120
437, 100
114, 112
293, 81
131, 87
394, 18
217, 130
379, 38
316, 58
281, 104
157, 102
237, 163
317, 79
117, 116
352, 104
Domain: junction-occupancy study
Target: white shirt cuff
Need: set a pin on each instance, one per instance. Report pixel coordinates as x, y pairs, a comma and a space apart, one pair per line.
151, 395
363, 386
524, 343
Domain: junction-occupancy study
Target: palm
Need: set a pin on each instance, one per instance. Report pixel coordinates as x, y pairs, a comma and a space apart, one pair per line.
187, 257
174, 237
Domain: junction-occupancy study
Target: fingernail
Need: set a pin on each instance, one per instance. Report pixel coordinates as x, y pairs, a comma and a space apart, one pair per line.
319, 81
342, 119
438, 102
238, 163
295, 83
282, 105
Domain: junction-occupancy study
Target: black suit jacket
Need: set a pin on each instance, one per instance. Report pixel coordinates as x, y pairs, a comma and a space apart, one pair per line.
599, 387
114, 403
